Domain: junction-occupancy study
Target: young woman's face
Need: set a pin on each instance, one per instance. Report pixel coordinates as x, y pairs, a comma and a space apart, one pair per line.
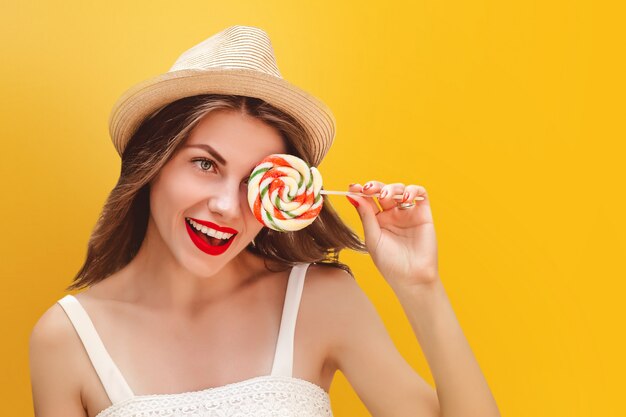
204, 186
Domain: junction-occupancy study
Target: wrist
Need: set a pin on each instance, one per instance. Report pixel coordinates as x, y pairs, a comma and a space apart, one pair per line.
426, 286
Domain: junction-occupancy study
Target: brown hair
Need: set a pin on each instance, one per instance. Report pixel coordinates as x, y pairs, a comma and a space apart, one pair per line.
121, 227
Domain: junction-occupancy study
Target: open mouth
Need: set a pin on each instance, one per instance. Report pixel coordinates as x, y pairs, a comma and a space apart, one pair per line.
209, 239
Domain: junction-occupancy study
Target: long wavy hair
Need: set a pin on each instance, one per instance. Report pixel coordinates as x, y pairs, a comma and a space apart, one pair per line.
121, 227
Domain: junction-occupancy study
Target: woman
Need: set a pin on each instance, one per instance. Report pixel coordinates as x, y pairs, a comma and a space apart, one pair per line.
191, 304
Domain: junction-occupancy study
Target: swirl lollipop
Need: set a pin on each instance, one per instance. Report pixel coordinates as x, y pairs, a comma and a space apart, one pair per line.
285, 194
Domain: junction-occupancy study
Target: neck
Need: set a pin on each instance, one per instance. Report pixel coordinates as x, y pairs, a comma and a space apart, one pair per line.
157, 279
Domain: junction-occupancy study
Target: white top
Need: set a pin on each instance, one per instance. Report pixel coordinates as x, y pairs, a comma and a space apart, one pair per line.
277, 394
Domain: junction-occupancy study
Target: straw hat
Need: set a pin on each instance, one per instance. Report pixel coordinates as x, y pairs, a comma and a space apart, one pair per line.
238, 61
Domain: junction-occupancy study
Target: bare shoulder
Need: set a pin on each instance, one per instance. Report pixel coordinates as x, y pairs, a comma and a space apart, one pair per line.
52, 328
54, 358
361, 348
335, 289
332, 289
338, 290
338, 301
329, 274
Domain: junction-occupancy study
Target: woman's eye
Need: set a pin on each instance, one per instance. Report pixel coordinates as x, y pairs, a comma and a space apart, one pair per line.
205, 165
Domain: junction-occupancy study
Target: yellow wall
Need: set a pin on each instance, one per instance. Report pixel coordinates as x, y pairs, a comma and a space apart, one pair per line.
509, 112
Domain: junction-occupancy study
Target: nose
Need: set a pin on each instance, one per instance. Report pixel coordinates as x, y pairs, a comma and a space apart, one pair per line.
226, 202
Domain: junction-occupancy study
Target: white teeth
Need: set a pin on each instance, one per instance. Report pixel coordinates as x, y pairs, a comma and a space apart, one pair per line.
210, 232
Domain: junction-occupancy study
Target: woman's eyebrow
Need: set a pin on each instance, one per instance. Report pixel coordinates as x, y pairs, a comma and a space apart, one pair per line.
210, 151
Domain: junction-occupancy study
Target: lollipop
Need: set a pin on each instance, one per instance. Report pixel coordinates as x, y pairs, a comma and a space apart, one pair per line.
284, 193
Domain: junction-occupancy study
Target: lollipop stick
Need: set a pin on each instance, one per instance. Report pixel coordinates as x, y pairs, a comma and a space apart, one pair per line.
395, 197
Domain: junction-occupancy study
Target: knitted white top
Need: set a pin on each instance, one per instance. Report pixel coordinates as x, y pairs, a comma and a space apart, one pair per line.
277, 394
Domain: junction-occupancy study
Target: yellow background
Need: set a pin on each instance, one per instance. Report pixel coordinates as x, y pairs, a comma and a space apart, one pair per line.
510, 113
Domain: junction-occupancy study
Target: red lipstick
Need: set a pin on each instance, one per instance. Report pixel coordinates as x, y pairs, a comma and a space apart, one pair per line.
206, 247
214, 226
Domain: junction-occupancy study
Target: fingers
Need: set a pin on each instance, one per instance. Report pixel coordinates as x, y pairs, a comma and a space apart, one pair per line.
367, 209
372, 216
358, 188
387, 192
412, 191
402, 193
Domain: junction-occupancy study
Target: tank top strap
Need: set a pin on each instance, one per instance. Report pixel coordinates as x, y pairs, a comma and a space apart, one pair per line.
112, 379
283, 357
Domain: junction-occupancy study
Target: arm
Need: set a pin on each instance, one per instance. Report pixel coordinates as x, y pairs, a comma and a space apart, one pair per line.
363, 351
461, 387
402, 243
54, 370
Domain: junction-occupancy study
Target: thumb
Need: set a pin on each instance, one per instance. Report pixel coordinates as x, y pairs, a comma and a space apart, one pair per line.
371, 228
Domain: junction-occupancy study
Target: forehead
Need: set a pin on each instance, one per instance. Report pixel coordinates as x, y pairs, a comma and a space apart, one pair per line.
236, 136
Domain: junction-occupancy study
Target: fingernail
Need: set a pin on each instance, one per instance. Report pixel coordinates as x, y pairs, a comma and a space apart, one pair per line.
384, 193
368, 185
353, 201
405, 197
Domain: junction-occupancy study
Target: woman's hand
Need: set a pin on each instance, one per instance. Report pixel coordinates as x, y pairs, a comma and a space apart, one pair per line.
402, 242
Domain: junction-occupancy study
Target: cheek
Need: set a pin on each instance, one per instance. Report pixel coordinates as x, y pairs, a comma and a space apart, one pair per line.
171, 194
253, 224
179, 184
